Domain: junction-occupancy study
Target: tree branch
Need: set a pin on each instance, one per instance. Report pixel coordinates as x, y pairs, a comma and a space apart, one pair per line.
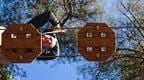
131, 19
119, 56
135, 4
126, 49
69, 14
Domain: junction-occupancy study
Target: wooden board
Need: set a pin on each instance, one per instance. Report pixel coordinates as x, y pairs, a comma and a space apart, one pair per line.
96, 42
21, 43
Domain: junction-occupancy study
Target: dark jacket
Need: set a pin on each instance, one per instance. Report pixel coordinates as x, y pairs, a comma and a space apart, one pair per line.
38, 22
42, 19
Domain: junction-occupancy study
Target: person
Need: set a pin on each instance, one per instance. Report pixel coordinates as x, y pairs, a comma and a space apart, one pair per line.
49, 42
42, 19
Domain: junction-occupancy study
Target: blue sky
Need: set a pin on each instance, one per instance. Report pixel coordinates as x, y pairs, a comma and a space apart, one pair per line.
42, 71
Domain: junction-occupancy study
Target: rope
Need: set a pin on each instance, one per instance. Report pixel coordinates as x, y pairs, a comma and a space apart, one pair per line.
110, 27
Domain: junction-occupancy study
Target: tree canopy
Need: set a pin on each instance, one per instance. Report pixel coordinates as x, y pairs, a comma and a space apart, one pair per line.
127, 64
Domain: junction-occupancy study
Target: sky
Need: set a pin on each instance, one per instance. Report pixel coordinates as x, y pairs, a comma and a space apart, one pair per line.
42, 71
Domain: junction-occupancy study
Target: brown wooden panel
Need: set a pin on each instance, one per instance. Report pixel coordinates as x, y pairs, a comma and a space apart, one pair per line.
21, 43
96, 41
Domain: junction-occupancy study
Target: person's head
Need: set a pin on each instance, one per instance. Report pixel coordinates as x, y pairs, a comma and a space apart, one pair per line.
48, 41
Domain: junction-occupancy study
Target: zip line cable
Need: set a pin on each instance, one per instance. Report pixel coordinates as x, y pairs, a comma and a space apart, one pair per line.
82, 27
109, 27
78, 55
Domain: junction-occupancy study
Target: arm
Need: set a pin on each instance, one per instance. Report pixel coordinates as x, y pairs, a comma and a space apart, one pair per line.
43, 18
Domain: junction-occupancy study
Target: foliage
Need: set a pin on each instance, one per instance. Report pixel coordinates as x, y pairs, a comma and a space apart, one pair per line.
128, 63
129, 57
132, 63
11, 72
100, 71
72, 14
15, 11
69, 12
12, 11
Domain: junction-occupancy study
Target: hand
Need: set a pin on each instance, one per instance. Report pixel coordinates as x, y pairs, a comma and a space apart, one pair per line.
58, 28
